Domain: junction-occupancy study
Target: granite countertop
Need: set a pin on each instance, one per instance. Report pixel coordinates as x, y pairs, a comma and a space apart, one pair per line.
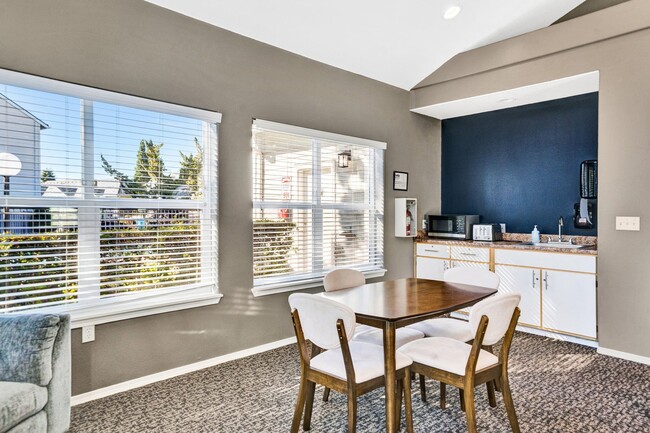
517, 241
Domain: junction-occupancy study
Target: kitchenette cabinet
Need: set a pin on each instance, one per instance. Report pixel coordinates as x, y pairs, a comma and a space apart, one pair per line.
433, 260
558, 290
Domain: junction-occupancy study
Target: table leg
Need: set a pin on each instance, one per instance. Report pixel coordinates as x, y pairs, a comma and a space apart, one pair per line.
389, 370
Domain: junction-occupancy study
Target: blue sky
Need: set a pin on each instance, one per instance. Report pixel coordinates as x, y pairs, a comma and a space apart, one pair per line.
117, 132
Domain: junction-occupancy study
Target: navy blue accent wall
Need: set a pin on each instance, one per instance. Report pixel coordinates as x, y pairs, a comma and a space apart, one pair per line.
520, 166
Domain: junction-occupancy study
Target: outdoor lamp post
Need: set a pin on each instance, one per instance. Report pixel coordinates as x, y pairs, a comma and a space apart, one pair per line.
10, 165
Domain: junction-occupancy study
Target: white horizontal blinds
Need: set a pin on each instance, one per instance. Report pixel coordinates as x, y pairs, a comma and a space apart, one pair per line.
161, 250
310, 215
124, 196
38, 259
153, 155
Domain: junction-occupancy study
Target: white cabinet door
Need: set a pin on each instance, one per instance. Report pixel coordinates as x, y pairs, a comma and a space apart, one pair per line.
569, 302
527, 282
430, 268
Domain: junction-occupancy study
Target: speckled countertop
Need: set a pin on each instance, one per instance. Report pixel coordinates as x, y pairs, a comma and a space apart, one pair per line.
516, 241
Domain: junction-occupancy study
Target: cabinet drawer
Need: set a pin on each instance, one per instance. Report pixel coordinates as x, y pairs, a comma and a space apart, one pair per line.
536, 259
433, 250
471, 254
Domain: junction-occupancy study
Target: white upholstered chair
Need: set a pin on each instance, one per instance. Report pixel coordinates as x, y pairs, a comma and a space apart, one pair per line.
466, 366
456, 328
340, 279
345, 278
346, 366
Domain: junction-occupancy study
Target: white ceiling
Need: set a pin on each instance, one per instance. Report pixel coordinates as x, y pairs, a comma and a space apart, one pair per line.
398, 43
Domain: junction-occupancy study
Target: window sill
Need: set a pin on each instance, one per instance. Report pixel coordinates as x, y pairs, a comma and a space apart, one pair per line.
138, 305
303, 284
99, 315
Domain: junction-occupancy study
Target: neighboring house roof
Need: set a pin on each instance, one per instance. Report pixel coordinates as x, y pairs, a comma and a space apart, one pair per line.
73, 188
25, 112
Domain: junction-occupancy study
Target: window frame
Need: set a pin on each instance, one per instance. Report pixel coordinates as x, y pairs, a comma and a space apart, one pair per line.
280, 284
90, 309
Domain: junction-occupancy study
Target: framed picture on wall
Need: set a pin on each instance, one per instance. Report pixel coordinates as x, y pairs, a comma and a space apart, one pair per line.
400, 181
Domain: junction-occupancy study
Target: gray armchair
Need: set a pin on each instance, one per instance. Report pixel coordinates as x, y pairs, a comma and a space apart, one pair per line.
34, 373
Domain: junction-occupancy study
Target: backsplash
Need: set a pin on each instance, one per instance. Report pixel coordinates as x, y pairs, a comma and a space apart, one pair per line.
521, 165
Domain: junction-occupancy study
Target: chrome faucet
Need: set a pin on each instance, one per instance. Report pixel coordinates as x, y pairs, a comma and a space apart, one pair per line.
560, 224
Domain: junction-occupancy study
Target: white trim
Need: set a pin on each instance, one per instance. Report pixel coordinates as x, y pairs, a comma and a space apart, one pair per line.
113, 315
84, 92
314, 133
624, 355
555, 89
272, 289
168, 374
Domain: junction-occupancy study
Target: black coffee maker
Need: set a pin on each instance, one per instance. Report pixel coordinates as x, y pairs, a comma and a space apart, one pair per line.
584, 213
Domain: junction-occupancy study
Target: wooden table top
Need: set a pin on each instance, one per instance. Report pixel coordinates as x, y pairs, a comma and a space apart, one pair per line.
407, 300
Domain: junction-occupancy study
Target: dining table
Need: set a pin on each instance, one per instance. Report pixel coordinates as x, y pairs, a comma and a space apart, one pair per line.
392, 304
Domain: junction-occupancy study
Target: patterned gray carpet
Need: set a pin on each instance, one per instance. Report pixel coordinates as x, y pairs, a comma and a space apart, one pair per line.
557, 387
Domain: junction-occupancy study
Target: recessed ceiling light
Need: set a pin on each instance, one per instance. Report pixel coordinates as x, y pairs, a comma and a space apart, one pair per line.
451, 12
504, 100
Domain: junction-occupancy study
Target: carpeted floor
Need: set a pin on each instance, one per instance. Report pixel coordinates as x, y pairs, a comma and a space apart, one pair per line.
557, 387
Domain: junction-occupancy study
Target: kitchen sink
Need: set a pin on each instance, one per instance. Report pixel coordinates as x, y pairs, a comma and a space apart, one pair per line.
554, 245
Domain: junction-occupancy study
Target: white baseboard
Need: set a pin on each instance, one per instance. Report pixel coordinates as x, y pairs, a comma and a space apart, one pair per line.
156, 377
624, 355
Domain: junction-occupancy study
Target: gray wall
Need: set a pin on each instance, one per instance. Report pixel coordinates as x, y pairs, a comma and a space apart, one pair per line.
573, 47
133, 47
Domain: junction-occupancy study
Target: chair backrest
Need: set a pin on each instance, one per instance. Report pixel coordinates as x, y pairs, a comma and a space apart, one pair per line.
318, 317
340, 279
472, 276
499, 310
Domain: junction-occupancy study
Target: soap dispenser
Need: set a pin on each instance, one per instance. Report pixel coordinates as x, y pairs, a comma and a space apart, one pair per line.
535, 235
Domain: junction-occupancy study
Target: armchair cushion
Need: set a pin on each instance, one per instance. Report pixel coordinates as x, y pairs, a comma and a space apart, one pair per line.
19, 401
26, 347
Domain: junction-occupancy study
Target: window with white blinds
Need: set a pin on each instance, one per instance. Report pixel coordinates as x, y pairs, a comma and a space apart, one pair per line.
107, 200
318, 204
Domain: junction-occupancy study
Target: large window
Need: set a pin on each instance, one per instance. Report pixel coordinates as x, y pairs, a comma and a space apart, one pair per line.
317, 205
109, 201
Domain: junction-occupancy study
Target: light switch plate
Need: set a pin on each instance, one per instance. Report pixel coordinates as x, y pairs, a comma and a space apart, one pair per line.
87, 333
628, 223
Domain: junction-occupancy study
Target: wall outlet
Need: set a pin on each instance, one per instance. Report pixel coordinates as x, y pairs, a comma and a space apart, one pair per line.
88, 333
628, 223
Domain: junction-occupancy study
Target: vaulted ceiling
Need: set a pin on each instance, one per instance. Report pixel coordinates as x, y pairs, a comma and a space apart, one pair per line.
399, 43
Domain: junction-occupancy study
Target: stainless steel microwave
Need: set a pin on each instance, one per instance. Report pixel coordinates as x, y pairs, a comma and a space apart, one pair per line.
451, 226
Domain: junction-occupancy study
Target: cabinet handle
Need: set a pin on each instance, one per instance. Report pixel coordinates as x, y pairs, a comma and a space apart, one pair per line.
467, 254
533, 279
431, 251
545, 280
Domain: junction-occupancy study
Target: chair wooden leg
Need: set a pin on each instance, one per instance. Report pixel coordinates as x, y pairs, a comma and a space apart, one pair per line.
443, 395
398, 403
490, 391
497, 385
510, 406
352, 413
326, 394
423, 389
408, 406
469, 409
461, 394
309, 405
300, 405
